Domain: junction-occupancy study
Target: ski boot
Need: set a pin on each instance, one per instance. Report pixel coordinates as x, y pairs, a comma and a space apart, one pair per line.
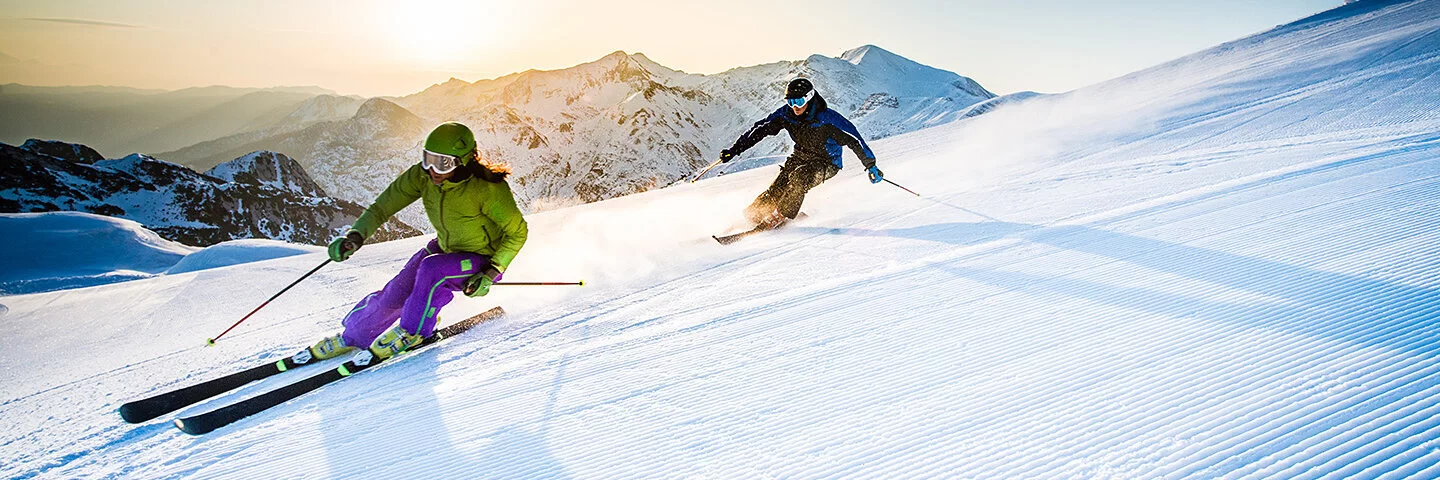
330, 347
393, 341
771, 221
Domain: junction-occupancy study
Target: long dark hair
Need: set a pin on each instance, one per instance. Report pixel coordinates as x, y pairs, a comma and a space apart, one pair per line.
493, 171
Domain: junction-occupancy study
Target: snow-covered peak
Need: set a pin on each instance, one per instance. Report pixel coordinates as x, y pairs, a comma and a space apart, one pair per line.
72, 152
877, 61
380, 108
614, 57
324, 108
453, 86
871, 53
618, 65
149, 169
377, 115
131, 164
267, 168
649, 64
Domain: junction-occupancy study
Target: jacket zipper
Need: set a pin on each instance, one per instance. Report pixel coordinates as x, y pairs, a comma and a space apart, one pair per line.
442, 217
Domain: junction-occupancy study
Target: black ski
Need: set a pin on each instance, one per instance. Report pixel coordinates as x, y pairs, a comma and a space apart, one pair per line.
206, 422
146, 409
735, 237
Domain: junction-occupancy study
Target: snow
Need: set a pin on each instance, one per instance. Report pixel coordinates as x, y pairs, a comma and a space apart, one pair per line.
63, 250
235, 252
1223, 266
49, 251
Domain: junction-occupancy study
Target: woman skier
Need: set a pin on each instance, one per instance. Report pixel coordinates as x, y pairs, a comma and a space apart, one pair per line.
478, 229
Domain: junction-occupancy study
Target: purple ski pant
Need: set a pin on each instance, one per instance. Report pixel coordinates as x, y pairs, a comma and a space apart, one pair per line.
428, 282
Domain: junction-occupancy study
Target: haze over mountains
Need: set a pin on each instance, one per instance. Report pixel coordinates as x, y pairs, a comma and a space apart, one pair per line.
118, 121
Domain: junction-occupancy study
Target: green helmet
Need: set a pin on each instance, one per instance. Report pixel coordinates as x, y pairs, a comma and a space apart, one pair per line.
451, 138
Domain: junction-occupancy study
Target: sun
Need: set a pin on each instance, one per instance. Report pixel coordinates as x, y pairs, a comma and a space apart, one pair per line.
441, 34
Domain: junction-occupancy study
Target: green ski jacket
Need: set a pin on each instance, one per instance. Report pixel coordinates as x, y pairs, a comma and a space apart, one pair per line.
473, 215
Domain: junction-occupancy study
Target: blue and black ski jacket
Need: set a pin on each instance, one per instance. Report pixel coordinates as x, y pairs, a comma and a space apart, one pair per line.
818, 133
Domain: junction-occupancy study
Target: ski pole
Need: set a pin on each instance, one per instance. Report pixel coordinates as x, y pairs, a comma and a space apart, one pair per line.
912, 192
706, 170
211, 341
579, 283
963, 209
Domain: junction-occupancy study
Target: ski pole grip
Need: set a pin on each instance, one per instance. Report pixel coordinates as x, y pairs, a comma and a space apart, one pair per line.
706, 170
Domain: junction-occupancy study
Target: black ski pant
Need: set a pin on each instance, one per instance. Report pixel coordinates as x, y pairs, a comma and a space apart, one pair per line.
788, 190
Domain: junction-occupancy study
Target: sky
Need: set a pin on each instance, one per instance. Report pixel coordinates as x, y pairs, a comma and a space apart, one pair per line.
383, 47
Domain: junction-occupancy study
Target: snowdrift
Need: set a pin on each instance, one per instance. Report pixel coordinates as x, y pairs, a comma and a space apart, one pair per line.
52, 251
63, 250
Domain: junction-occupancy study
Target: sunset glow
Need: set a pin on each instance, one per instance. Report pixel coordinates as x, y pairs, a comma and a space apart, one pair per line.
391, 47
440, 34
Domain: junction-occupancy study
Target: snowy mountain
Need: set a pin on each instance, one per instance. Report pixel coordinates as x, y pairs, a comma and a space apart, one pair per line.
317, 112
1219, 267
268, 169
70, 152
616, 126
360, 151
261, 195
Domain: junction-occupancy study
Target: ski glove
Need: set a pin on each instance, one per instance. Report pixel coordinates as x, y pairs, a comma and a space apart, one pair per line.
342, 248
875, 175
479, 284
726, 156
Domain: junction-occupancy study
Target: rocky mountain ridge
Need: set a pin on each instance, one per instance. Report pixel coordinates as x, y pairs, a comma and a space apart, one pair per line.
260, 195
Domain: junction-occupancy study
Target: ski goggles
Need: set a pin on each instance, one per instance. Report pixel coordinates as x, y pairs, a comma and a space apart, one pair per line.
438, 162
800, 102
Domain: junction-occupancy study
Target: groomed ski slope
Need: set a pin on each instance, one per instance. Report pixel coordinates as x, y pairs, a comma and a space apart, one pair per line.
1224, 266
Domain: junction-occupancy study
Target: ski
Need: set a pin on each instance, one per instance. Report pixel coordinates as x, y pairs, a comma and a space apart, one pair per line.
209, 421
735, 237
149, 408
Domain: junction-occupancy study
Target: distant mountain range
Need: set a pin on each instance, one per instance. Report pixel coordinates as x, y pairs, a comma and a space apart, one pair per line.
618, 125
119, 121
260, 195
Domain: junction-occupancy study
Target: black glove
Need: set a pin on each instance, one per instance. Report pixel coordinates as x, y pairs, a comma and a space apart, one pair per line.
342, 248
479, 284
725, 156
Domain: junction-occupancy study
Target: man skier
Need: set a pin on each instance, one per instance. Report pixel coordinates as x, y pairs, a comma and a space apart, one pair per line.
478, 228
819, 133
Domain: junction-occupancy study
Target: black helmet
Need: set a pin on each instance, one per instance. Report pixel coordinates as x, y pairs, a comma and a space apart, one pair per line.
799, 88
